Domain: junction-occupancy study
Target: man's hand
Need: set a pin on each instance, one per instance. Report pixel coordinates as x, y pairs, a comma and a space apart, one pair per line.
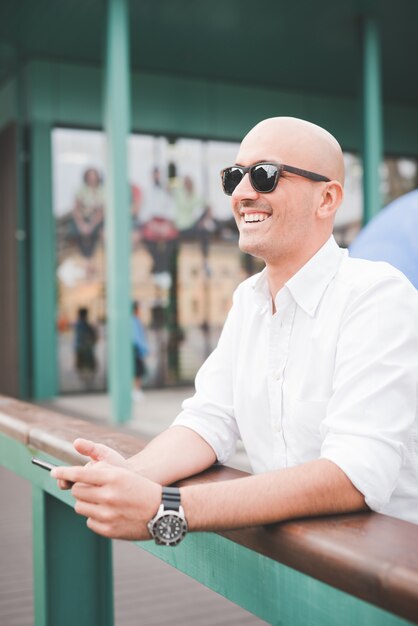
117, 502
96, 452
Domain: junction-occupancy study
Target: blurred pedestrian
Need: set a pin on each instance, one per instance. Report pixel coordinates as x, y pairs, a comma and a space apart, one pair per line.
140, 349
85, 338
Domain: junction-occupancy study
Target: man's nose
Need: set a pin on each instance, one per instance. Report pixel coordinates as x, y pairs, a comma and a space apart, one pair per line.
244, 190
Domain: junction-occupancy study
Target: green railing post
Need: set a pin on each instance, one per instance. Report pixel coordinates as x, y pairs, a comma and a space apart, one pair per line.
72, 567
42, 247
118, 221
22, 237
372, 119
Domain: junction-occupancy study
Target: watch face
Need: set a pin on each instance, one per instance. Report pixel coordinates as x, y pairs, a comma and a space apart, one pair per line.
170, 529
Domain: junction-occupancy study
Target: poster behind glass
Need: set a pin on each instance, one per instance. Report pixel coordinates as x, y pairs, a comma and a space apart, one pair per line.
78, 196
185, 260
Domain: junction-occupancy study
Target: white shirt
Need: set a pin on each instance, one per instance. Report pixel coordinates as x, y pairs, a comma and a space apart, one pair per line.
332, 374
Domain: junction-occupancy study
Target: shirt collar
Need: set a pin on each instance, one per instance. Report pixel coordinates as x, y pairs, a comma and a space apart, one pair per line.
308, 285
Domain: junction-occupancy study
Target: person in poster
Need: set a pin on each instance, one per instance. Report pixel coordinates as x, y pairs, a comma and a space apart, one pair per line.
88, 216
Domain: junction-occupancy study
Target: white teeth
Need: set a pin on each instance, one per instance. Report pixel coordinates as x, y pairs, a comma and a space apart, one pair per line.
255, 217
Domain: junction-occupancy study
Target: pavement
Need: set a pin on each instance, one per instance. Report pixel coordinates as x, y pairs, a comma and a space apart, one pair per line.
150, 416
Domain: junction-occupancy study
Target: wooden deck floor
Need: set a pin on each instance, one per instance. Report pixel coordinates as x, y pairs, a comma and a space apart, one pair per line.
141, 580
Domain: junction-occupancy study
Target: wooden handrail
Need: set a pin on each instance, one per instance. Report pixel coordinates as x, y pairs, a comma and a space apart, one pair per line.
370, 556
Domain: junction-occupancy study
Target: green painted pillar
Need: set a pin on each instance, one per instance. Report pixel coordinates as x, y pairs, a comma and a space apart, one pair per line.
22, 237
118, 222
372, 119
42, 265
72, 567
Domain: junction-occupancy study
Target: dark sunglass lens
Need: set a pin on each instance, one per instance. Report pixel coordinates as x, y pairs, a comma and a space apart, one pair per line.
231, 179
264, 177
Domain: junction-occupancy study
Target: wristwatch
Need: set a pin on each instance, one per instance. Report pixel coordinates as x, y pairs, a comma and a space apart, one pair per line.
169, 526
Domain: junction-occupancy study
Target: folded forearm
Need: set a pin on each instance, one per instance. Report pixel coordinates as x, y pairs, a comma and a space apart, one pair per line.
315, 488
176, 453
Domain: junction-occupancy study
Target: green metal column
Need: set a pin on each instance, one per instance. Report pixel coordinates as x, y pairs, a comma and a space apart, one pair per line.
42, 261
372, 119
118, 222
22, 237
72, 567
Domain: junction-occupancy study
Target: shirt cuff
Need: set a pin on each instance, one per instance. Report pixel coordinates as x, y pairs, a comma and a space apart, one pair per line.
373, 467
213, 430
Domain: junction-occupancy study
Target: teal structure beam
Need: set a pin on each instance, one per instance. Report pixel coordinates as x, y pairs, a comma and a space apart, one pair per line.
118, 248
189, 107
22, 235
72, 565
372, 119
42, 261
274, 592
72, 576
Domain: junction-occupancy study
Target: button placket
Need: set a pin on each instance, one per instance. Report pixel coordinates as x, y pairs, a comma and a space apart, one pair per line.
279, 350
277, 347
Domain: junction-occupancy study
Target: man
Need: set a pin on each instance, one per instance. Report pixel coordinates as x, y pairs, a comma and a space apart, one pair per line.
316, 371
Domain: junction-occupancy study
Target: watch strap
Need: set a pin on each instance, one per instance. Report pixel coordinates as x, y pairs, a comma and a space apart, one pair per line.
170, 498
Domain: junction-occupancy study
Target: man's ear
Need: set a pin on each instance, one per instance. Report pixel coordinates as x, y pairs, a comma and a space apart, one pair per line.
331, 198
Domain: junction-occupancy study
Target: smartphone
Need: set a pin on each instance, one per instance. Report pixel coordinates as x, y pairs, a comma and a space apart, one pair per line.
43, 464
46, 466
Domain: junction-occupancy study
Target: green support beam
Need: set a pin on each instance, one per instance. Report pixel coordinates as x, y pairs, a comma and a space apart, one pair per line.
72, 567
22, 235
372, 120
73, 579
274, 592
118, 248
42, 262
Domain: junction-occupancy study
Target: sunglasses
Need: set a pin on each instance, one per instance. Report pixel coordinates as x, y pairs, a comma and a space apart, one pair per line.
263, 176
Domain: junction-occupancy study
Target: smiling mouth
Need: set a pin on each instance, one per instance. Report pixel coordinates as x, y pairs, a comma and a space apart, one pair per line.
250, 218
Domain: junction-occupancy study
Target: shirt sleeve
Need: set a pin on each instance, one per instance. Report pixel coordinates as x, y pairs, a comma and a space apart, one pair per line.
370, 418
210, 412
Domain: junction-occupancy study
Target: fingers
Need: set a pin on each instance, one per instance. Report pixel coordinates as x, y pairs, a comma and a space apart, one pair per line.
92, 510
104, 529
64, 484
98, 506
86, 448
98, 452
92, 475
99, 517
116, 502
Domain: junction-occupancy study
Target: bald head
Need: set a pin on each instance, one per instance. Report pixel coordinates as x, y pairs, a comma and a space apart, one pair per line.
292, 222
298, 143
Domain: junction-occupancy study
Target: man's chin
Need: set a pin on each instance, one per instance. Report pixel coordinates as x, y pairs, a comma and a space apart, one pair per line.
247, 248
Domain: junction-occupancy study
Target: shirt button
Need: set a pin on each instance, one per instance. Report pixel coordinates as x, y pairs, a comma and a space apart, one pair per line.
277, 374
277, 428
